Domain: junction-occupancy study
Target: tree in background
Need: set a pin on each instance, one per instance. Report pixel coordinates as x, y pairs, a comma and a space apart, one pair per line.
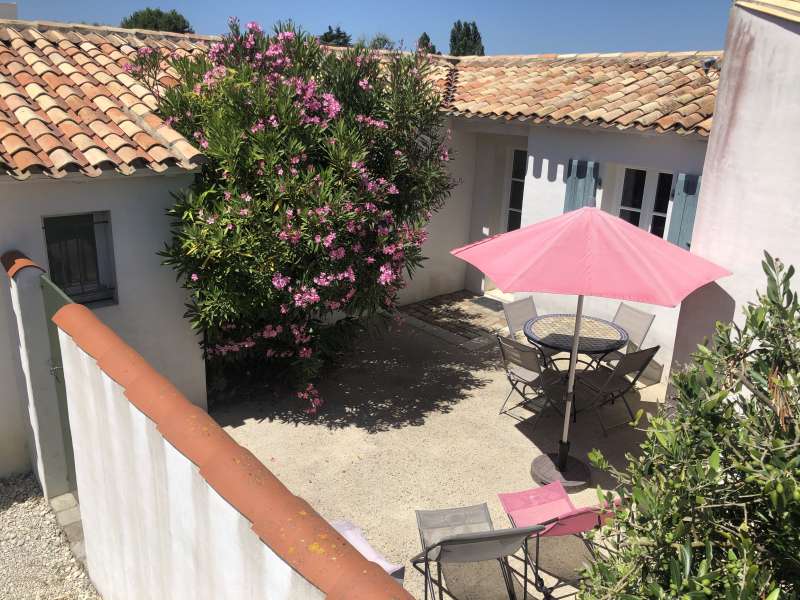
158, 20
335, 37
381, 41
424, 43
465, 39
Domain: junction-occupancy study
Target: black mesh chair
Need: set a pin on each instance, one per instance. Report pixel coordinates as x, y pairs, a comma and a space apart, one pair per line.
466, 535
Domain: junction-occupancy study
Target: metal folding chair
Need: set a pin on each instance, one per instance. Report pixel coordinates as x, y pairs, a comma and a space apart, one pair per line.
517, 314
467, 535
527, 376
636, 323
551, 507
598, 387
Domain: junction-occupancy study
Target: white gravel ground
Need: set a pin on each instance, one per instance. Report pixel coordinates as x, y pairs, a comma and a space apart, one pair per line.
412, 422
35, 560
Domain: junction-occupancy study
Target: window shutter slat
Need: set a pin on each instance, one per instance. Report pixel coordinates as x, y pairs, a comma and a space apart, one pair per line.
684, 208
581, 184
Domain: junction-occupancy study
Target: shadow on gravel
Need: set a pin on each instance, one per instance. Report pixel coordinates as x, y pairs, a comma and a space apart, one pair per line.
18, 488
390, 381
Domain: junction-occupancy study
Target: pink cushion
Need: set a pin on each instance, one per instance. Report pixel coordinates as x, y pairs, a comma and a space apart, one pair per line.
537, 505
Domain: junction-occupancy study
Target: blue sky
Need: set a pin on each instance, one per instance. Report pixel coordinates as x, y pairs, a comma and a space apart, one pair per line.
507, 26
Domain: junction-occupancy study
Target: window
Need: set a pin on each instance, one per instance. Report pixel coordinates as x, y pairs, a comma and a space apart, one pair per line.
645, 200
81, 257
519, 165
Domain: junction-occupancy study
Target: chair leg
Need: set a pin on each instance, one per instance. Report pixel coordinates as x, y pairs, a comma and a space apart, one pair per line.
600, 418
508, 578
502, 408
439, 580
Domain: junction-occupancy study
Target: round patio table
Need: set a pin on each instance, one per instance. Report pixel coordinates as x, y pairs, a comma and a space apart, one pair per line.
598, 336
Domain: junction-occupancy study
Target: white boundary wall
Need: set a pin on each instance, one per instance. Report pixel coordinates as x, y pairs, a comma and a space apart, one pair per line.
153, 527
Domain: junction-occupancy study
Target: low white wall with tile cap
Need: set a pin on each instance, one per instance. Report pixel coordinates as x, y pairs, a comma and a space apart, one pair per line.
153, 527
46, 443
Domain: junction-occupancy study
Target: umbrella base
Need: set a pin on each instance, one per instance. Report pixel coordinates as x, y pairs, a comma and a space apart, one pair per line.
575, 477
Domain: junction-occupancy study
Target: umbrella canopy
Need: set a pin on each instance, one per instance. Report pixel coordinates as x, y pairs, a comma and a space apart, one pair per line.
588, 252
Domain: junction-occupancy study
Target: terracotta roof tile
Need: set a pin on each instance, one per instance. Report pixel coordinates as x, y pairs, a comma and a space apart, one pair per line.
65, 101
653, 90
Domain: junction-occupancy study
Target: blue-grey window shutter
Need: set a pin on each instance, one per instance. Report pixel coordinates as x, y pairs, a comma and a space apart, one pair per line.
582, 180
684, 207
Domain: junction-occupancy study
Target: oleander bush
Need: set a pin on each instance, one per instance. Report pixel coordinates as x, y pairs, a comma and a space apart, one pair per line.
324, 166
712, 504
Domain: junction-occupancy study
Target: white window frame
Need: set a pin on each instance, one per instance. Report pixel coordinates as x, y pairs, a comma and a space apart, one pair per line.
647, 211
508, 179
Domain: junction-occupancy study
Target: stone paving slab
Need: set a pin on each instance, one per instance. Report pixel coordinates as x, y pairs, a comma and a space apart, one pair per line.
464, 314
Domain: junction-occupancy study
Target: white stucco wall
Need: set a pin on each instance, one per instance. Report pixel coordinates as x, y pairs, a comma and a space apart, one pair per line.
549, 150
149, 314
153, 527
441, 273
751, 185
493, 155
46, 441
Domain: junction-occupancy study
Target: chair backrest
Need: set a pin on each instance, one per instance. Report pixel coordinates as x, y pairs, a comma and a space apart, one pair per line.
578, 521
634, 363
518, 312
536, 506
636, 322
514, 353
485, 545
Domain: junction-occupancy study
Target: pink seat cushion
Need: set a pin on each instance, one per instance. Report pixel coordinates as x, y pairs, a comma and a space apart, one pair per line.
537, 505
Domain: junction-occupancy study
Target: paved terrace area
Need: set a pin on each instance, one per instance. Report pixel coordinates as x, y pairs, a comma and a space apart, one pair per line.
411, 422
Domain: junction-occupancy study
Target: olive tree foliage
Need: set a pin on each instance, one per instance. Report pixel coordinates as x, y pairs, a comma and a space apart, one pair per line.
711, 506
324, 167
157, 20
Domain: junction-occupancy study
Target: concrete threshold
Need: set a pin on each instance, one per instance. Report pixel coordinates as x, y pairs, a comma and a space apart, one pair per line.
68, 515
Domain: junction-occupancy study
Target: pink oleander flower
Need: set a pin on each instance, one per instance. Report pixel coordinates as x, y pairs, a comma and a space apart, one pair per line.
329, 239
244, 212
337, 253
273, 121
285, 36
247, 197
387, 275
331, 106
304, 352
226, 194
211, 220
377, 123
195, 277
280, 281
305, 297
145, 51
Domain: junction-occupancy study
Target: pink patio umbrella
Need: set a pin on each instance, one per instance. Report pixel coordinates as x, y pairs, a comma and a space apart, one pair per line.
588, 252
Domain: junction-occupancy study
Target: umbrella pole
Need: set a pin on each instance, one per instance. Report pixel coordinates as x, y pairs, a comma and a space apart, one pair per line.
563, 445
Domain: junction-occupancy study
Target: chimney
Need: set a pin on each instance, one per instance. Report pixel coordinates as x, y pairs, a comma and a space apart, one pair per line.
8, 10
